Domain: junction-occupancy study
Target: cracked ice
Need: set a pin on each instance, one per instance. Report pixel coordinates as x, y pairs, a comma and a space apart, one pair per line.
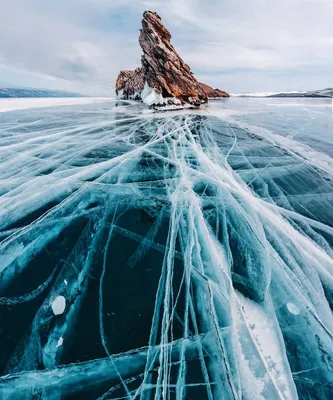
184, 255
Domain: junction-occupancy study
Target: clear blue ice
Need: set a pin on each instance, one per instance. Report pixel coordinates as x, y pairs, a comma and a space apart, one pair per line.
177, 255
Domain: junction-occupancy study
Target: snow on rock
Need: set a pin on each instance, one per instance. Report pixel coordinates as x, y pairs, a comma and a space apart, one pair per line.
152, 98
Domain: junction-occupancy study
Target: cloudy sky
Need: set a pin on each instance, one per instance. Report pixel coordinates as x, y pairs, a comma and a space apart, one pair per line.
238, 46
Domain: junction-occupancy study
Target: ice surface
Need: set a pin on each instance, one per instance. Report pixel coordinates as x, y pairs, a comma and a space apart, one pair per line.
176, 255
261, 94
12, 104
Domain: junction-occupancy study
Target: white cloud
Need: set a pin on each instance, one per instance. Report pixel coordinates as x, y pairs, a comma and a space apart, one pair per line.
84, 43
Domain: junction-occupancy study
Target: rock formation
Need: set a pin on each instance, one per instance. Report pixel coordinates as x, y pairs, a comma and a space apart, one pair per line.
130, 84
213, 93
164, 79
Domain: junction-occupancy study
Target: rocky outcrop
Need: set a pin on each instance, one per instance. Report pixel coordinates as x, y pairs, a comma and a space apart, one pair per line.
164, 69
130, 84
213, 93
164, 79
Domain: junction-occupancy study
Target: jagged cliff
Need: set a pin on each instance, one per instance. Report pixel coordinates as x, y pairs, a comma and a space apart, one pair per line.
130, 84
164, 78
164, 69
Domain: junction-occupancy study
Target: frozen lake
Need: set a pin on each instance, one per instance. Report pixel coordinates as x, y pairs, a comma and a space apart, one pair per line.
176, 255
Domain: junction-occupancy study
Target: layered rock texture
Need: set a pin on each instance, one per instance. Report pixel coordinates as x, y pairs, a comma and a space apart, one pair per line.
164, 79
213, 93
164, 70
130, 84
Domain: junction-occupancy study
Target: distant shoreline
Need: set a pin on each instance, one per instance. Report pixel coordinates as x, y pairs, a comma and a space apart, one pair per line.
323, 93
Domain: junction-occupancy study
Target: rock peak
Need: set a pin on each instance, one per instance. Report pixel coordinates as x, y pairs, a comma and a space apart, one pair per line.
164, 79
164, 69
148, 14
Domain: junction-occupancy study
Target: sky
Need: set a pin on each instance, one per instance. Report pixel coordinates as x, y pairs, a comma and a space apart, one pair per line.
235, 45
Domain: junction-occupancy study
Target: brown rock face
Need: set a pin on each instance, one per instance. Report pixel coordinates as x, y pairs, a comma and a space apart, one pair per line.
130, 84
164, 78
213, 93
164, 70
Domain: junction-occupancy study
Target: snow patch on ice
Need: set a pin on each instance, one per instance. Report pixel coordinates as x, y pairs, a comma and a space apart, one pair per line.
60, 342
58, 305
293, 309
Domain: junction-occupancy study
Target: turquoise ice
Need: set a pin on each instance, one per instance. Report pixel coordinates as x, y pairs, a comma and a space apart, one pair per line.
187, 254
